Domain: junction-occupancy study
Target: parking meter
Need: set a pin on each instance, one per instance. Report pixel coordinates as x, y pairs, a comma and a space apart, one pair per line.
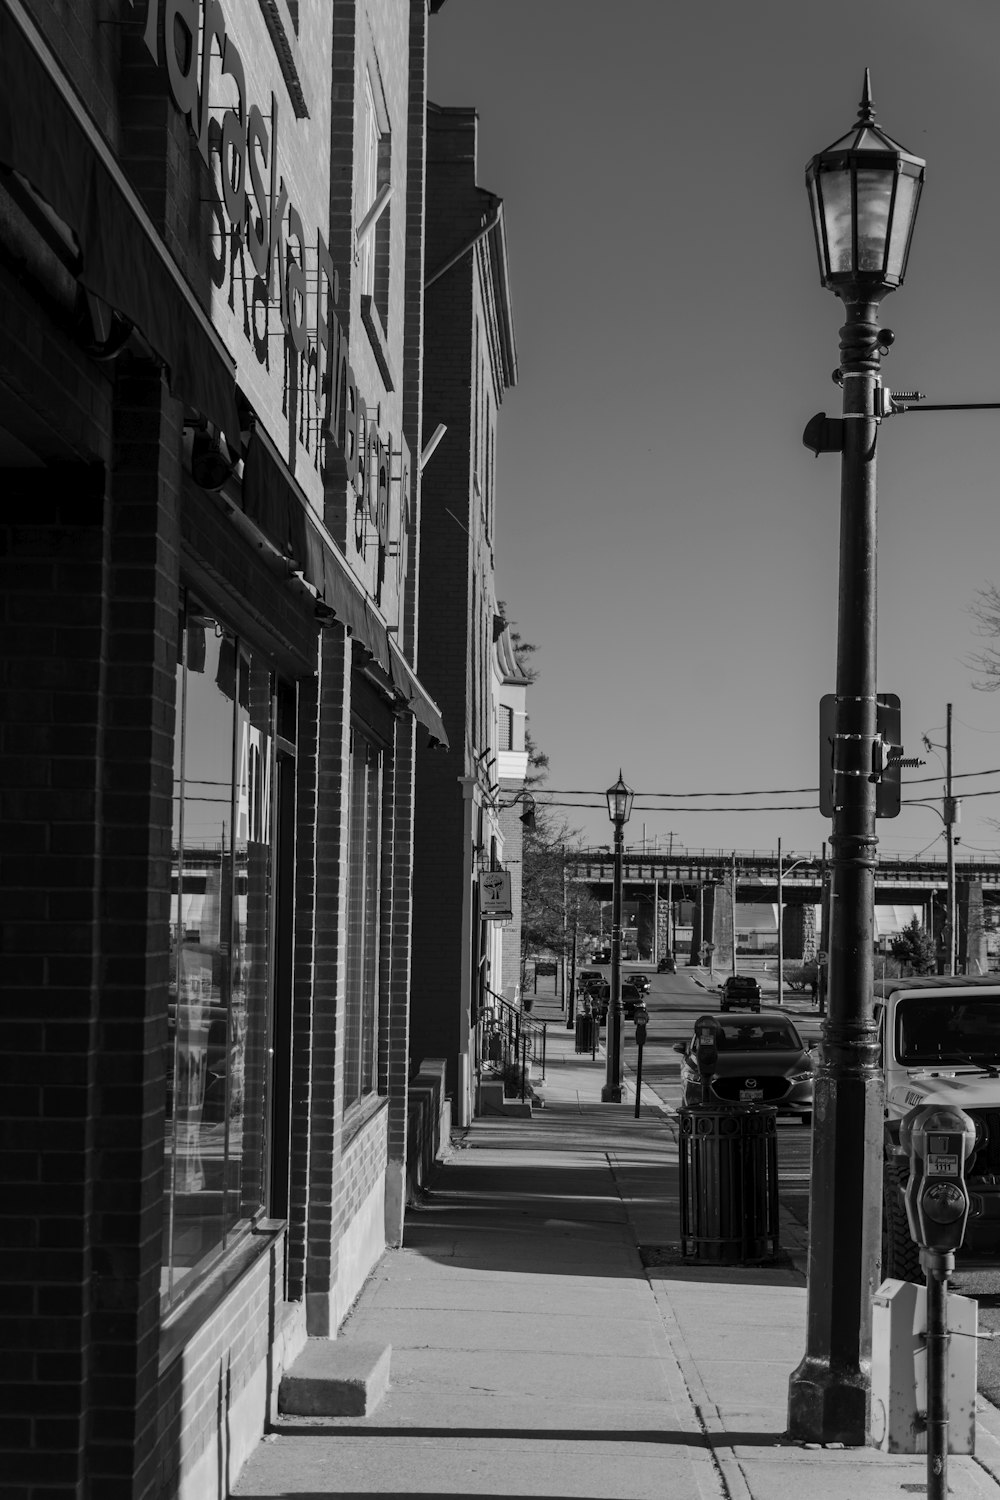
939, 1139
706, 1050
641, 1015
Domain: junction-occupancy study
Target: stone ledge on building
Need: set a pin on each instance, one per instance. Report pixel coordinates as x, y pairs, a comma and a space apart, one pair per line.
428, 1124
335, 1378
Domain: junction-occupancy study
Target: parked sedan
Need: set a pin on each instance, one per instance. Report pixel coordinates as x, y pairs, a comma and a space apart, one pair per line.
761, 1060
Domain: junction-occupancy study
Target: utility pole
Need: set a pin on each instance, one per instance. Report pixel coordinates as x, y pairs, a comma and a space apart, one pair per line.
564, 929
781, 934
949, 828
734, 911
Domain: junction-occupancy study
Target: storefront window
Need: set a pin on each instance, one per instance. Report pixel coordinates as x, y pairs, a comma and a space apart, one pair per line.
219, 1014
364, 881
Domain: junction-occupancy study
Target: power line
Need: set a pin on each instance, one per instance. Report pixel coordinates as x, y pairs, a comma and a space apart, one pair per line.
774, 791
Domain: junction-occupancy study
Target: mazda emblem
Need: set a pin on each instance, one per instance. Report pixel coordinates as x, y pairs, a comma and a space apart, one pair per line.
751, 1083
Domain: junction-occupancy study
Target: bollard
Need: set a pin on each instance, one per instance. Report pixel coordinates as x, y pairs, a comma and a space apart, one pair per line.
728, 1184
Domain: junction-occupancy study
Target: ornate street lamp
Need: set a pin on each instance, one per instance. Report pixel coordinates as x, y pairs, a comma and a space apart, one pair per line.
620, 797
863, 191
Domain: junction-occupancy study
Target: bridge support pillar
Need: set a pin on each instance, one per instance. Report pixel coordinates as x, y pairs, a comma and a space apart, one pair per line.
800, 931
713, 923
972, 957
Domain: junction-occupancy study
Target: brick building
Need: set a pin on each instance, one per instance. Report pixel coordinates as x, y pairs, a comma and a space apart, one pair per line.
470, 363
211, 267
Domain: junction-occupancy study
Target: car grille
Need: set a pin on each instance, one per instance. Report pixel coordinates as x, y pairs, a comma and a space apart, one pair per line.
729, 1089
986, 1162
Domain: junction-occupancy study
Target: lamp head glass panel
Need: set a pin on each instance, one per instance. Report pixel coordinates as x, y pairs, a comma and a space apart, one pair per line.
620, 798
863, 195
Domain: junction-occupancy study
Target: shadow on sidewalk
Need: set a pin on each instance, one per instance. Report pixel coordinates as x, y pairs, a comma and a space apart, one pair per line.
658, 1437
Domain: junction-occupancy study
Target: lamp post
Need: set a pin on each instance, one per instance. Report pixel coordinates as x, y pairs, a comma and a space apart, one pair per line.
619, 806
863, 191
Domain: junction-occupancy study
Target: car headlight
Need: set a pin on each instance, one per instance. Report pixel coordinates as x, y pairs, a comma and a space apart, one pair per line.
802, 1075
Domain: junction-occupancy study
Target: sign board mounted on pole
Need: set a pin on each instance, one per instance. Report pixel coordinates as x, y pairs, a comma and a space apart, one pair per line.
889, 784
494, 895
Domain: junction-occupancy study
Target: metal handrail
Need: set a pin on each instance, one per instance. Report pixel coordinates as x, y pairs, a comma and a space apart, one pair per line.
507, 1040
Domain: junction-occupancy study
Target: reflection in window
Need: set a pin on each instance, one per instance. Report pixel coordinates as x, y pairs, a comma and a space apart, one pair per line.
363, 885
220, 952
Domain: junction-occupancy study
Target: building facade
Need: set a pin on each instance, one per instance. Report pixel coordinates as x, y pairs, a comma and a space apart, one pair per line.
470, 363
211, 289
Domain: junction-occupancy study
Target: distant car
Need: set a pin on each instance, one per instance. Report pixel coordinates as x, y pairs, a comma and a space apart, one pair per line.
642, 980
601, 956
740, 990
633, 994
592, 986
760, 1061
667, 965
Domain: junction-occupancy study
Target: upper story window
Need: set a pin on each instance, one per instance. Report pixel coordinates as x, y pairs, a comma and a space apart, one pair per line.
373, 192
506, 728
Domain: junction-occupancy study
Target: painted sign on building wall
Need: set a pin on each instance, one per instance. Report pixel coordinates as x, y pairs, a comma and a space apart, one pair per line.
277, 276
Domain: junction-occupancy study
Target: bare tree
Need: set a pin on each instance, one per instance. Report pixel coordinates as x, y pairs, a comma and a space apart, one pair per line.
985, 610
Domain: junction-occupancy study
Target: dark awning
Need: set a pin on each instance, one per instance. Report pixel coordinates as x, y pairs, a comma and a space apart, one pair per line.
48, 137
422, 705
275, 503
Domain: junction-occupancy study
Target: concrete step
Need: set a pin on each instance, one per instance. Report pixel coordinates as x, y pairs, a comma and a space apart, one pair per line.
335, 1378
491, 1101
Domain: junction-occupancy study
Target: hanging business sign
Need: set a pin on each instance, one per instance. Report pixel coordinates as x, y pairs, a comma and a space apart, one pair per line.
494, 895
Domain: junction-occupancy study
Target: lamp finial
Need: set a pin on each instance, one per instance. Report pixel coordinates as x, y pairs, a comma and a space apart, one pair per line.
866, 110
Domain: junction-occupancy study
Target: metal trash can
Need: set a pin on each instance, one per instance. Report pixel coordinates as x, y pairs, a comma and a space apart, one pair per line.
586, 1033
729, 1184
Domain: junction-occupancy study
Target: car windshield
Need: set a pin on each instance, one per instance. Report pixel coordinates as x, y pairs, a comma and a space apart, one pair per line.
742, 1036
930, 1030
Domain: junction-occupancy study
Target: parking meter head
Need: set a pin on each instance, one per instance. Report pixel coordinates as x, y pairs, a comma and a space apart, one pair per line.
706, 1039
939, 1140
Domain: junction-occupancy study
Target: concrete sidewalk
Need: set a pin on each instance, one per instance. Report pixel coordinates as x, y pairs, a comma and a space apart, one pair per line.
547, 1340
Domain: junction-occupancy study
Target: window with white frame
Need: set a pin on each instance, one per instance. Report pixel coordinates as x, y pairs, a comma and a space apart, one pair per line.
373, 176
506, 727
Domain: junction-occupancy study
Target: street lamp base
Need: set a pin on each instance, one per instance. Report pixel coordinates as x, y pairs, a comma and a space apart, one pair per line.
612, 1093
828, 1405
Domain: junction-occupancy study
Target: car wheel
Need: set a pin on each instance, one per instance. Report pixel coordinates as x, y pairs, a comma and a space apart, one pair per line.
900, 1256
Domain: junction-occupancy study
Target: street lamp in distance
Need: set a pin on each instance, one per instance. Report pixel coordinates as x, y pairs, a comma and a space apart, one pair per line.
620, 798
863, 193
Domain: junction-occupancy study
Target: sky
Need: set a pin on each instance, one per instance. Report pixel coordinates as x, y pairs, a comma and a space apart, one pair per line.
664, 538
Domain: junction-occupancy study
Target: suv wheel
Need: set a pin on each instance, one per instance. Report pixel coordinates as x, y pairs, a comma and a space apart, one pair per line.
900, 1256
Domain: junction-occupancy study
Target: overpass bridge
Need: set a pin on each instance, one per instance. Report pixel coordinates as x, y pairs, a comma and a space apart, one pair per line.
667, 894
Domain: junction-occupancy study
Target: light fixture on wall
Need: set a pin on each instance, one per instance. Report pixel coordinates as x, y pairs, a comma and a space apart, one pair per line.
527, 817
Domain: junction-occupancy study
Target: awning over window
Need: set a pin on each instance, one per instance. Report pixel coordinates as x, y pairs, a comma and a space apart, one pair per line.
47, 136
276, 505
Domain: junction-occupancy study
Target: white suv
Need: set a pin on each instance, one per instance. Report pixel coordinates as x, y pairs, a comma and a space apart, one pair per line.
940, 1038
